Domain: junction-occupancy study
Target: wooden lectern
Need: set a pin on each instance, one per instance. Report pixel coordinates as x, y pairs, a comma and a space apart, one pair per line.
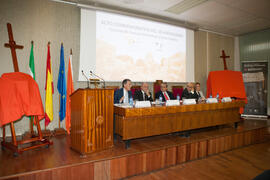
91, 120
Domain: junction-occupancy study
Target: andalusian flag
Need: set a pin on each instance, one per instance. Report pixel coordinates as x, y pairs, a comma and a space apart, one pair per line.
31, 62
49, 90
61, 85
70, 90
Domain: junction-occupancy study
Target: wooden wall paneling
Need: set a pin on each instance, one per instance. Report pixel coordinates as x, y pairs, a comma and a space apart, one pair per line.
26, 177
82, 172
220, 144
227, 143
202, 149
102, 170
170, 157
263, 134
247, 138
154, 160
194, 151
43, 175
235, 141
211, 146
61, 174
134, 164
181, 154
241, 139
118, 168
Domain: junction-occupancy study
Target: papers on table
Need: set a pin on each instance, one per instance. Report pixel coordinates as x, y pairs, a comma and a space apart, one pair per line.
189, 101
211, 100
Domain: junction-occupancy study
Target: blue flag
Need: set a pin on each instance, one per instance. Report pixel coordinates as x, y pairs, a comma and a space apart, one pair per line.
61, 85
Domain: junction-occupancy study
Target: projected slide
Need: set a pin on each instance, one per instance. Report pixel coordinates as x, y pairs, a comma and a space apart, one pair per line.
138, 49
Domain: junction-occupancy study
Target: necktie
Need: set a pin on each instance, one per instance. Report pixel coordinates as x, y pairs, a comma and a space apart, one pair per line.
165, 95
143, 96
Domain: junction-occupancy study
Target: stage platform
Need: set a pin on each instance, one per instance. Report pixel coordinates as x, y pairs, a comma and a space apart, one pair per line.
145, 155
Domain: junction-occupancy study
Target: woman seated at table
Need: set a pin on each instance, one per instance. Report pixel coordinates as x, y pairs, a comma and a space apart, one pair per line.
198, 91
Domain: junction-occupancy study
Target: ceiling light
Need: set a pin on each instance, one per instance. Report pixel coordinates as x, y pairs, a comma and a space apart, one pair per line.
184, 6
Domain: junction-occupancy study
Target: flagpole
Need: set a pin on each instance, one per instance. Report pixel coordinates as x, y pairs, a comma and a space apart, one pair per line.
45, 100
32, 117
59, 123
59, 130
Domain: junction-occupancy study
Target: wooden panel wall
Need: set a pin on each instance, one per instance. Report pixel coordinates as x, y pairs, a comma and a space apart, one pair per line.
153, 160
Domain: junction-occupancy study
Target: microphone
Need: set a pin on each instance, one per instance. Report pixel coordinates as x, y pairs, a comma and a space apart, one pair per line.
99, 78
88, 82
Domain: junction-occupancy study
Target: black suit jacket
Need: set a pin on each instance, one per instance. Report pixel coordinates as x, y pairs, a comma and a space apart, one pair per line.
189, 95
163, 98
138, 95
118, 94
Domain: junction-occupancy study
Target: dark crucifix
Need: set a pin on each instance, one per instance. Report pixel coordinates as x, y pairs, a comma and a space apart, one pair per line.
224, 59
13, 46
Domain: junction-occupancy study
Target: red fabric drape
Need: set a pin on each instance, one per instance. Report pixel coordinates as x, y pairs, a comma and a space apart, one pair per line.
19, 95
226, 84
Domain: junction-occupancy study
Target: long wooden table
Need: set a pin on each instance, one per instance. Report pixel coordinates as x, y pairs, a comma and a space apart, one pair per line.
132, 123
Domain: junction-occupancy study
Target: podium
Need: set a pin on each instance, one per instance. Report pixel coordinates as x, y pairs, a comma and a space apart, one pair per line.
91, 120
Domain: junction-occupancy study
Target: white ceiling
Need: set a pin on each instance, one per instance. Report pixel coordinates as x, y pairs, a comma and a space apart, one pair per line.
232, 17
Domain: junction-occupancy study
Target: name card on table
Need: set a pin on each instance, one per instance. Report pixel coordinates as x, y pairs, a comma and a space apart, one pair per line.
140, 104
211, 100
189, 101
226, 99
172, 103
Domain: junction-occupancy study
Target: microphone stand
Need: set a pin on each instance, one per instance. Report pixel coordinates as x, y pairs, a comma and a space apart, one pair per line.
88, 82
99, 78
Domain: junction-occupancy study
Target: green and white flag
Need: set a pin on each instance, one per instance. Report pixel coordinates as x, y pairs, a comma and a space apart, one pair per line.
31, 62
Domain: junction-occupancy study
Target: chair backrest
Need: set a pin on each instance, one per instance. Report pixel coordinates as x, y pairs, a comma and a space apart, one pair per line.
134, 88
177, 90
156, 87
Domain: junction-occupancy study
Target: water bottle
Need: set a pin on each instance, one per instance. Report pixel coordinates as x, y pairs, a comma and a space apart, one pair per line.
160, 98
131, 101
210, 96
217, 96
178, 97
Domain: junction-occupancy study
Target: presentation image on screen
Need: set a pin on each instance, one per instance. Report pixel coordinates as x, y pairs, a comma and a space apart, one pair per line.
129, 47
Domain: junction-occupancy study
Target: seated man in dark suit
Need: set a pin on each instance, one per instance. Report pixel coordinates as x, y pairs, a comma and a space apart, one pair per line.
143, 94
123, 94
189, 92
164, 93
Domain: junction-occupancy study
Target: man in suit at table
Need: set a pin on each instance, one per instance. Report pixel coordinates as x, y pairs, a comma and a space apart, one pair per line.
164, 93
123, 94
143, 94
189, 92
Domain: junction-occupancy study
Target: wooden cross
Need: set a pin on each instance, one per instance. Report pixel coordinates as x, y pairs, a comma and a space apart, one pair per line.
13, 46
224, 59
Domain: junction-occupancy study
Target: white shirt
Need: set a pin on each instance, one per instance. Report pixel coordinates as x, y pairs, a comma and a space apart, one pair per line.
143, 94
125, 101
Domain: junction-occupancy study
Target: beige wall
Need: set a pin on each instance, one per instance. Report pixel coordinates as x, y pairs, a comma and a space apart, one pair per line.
40, 21
208, 47
44, 20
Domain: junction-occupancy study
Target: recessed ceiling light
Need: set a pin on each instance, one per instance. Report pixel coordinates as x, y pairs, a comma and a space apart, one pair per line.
132, 1
184, 6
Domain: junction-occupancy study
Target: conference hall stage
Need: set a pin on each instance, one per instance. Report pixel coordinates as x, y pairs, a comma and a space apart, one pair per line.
59, 161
